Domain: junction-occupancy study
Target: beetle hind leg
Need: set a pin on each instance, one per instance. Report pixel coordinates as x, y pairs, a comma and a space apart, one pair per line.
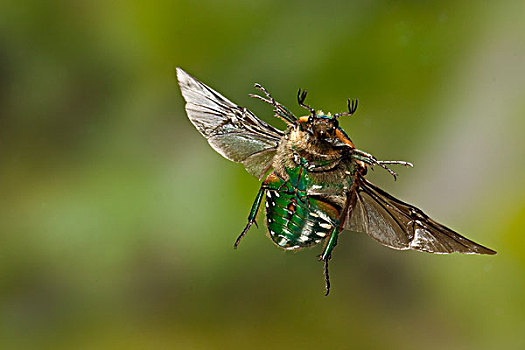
326, 255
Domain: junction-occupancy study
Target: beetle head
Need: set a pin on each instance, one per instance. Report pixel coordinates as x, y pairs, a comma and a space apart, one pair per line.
320, 125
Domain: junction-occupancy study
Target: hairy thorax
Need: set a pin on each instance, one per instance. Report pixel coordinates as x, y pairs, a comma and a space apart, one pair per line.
325, 165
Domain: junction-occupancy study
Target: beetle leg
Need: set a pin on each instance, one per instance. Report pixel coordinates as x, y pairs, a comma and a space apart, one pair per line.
280, 110
326, 278
331, 242
253, 214
326, 255
371, 160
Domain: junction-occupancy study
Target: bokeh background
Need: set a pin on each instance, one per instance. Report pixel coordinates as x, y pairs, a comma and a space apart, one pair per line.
117, 219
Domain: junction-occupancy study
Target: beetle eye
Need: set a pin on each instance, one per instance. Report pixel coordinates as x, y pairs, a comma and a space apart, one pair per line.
336, 124
310, 119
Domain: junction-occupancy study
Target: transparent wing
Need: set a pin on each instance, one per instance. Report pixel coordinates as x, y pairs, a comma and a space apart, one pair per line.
233, 131
399, 225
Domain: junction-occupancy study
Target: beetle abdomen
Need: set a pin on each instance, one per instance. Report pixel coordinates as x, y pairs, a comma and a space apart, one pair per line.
295, 221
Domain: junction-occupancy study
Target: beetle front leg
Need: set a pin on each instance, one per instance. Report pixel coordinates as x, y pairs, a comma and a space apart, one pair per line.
371, 160
280, 110
253, 213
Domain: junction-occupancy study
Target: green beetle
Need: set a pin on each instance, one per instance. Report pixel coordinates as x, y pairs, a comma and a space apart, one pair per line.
316, 185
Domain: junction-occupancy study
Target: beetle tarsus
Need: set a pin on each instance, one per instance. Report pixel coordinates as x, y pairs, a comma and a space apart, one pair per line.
280, 110
243, 233
260, 87
398, 162
382, 165
371, 160
270, 102
326, 277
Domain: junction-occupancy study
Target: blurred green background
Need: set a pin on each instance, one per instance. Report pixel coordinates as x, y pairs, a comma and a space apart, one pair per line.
117, 219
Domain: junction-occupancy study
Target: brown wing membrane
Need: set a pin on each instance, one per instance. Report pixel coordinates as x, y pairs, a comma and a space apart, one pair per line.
399, 225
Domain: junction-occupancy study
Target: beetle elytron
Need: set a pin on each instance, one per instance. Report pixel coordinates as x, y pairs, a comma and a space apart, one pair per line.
317, 186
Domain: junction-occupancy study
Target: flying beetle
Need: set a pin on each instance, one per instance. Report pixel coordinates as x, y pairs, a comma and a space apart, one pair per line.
316, 185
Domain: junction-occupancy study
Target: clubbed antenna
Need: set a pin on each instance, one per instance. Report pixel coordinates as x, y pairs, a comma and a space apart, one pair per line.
301, 96
352, 107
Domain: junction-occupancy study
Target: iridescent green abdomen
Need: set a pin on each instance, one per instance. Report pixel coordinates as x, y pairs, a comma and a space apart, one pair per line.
294, 218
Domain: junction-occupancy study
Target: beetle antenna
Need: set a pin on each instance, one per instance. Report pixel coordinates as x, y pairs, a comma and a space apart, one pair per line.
301, 96
352, 107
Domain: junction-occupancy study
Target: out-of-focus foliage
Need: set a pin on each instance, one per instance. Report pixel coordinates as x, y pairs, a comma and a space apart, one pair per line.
117, 220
